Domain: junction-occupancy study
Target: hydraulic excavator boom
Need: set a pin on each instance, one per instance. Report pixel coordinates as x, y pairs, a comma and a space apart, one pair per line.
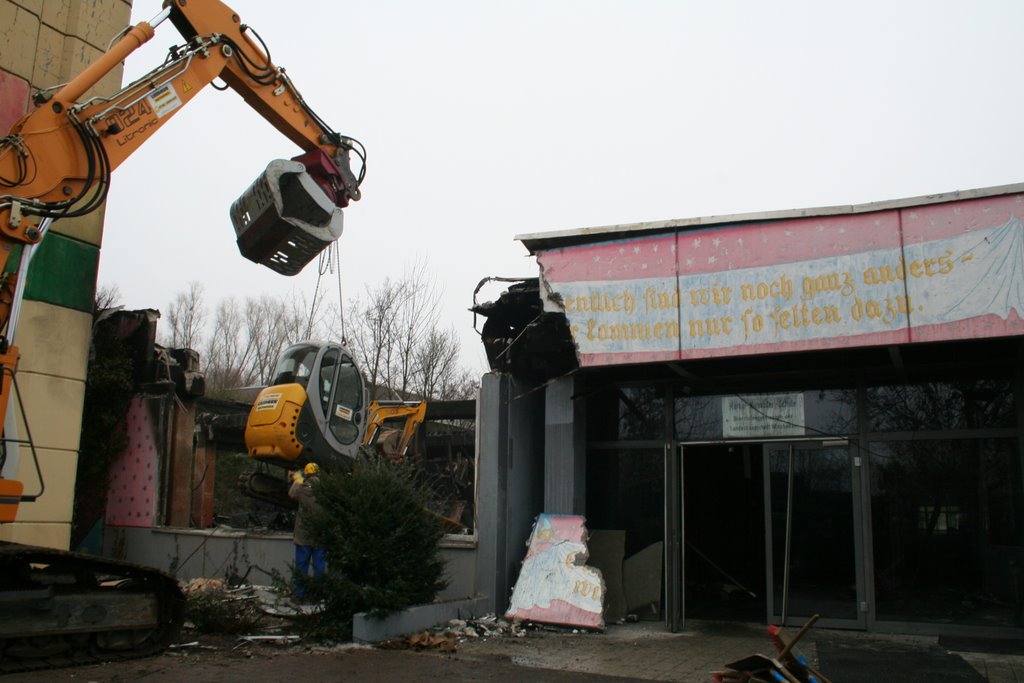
56, 162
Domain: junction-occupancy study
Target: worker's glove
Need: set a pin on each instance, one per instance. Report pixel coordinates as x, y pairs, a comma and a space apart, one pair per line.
297, 477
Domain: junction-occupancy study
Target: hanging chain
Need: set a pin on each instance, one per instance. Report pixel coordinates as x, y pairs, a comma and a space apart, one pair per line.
322, 266
330, 259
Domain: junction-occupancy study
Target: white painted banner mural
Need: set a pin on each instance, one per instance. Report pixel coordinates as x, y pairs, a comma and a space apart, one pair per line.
944, 271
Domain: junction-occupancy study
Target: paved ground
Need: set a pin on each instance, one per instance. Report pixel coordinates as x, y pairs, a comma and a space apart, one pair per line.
633, 652
648, 652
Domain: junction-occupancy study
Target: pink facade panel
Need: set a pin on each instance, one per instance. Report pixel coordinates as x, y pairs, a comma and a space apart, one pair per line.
939, 272
131, 498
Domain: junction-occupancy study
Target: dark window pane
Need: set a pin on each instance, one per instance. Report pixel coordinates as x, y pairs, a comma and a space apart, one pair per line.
831, 412
626, 495
946, 525
626, 413
325, 381
698, 418
941, 405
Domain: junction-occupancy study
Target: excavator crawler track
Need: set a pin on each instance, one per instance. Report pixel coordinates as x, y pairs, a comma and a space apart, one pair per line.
60, 608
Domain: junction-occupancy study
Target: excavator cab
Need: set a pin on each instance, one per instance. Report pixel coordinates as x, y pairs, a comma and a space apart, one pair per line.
315, 411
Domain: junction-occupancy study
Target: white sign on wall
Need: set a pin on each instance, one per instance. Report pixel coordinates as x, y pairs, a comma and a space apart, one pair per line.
763, 415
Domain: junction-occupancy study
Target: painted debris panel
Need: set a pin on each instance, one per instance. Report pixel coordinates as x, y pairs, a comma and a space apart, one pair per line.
555, 586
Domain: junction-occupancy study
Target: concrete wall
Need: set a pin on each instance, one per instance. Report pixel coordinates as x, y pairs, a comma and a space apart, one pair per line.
44, 43
565, 463
221, 553
510, 481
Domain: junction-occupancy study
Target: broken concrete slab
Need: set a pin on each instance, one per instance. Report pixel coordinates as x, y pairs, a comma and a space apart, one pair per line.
607, 550
642, 581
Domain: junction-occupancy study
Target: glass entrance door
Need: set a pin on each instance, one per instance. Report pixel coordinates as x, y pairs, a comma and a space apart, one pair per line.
811, 520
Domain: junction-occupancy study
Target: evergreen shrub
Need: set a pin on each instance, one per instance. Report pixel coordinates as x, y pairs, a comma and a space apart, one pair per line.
382, 542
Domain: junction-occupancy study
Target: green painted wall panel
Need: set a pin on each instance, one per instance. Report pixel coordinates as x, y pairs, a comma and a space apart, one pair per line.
63, 272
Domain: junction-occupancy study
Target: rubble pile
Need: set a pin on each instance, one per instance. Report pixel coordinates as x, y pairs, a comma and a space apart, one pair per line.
447, 637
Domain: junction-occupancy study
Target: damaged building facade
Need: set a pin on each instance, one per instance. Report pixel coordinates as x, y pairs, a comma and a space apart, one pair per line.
776, 415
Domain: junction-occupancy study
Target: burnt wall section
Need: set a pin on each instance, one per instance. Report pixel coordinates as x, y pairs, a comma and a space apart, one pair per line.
151, 481
521, 338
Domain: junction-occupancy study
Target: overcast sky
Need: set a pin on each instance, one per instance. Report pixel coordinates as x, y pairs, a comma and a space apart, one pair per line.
487, 119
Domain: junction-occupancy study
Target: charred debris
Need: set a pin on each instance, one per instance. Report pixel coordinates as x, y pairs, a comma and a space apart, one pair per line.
520, 337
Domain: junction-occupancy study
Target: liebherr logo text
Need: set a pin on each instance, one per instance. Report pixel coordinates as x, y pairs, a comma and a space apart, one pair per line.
124, 121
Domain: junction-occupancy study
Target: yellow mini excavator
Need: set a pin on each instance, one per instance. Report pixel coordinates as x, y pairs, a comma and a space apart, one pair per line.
316, 410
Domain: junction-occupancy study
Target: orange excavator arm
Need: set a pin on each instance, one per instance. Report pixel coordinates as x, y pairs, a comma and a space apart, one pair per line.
56, 161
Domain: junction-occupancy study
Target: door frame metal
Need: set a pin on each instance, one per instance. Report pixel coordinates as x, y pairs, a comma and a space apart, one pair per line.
856, 508
675, 547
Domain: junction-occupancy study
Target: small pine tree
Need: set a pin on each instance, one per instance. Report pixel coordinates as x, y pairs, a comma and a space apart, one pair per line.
381, 540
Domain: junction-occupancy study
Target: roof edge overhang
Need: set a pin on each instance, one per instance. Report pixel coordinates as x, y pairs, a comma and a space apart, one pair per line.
541, 241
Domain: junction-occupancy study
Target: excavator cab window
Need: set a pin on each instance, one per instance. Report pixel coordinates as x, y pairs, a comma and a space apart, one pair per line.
296, 365
328, 368
345, 400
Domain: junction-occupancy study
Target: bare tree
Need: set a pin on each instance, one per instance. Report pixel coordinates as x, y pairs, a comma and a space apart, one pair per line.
415, 322
228, 352
464, 385
372, 325
267, 331
107, 298
393, 332
436, 360
399, 344
186, 316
